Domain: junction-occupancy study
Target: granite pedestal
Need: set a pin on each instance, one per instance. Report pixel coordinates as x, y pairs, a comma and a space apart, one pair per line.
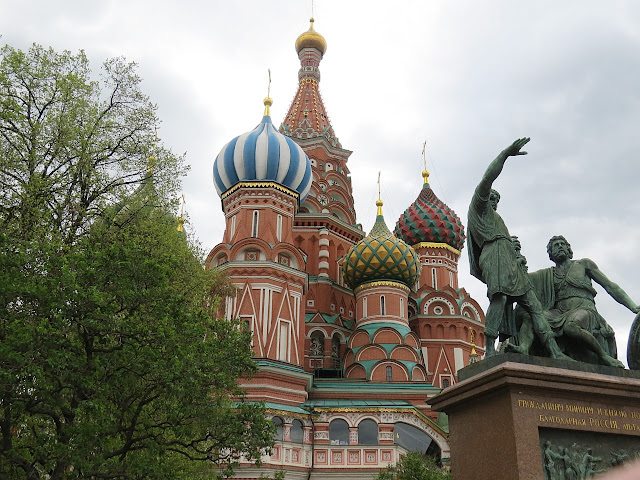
515, 417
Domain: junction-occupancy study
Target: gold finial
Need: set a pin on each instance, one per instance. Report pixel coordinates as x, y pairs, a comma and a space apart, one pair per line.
473, 356
425, 172
379, 201
311, 39
267, 101
181, 217
151, 161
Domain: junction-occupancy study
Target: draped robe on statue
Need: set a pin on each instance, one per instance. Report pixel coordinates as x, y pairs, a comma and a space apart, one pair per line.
562, 296
493, 259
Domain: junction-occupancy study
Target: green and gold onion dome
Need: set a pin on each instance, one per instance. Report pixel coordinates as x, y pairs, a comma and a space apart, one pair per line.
311, 39
381, 256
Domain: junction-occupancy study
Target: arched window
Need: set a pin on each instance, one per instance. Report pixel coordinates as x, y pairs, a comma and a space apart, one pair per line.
277, 421
335, 350
382, 306
367, 432
434, 278
254, 224
389, 371
316, 349
233, 226
364, 306
415, 440
402, 307
339, 432
297, 431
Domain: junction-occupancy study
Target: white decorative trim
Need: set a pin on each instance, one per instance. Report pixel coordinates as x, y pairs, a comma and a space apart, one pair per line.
438, 299
473, 309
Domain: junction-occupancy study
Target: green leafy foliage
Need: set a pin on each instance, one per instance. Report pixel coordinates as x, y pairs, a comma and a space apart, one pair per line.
414, 466
112, 361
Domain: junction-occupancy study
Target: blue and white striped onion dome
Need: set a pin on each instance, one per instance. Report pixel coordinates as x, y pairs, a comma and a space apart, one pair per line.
263, 155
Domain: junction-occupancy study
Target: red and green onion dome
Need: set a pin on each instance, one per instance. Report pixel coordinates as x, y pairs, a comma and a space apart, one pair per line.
381, 256
430, 220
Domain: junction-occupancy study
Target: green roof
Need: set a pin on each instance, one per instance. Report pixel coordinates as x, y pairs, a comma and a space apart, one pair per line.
372, 328
331, 319
285, 408
357, 403
363, 386
284, 366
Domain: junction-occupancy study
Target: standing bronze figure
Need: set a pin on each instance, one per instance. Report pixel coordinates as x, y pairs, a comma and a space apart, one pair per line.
494, 260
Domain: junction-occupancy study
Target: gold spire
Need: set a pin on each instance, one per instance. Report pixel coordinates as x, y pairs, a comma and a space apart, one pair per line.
151, 161
267, 101
379, 201
181, 217
473, 356
425, 172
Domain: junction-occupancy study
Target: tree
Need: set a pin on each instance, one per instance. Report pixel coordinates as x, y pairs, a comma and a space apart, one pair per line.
112, 361
415, 466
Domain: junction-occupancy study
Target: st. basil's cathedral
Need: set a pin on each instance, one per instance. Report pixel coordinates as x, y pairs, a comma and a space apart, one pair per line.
352, 333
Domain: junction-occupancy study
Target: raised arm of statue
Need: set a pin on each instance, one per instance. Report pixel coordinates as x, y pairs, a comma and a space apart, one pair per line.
613, 289
495, 167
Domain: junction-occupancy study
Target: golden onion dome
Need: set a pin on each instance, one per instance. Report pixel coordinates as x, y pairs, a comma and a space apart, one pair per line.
311, 39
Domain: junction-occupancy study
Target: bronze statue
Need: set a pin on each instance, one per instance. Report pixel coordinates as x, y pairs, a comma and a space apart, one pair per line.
493, 260
633, 345
567, 296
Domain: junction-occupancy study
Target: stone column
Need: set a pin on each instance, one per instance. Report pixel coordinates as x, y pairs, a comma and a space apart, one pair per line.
353, 435
323, 253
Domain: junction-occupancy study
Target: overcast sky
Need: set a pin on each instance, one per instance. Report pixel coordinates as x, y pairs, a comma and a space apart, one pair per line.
466, 76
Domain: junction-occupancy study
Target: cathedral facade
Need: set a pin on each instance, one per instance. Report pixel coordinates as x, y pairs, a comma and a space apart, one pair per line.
352, 333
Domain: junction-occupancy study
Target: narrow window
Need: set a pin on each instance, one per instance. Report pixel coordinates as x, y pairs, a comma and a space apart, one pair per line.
364, 307
277, 421
402, 307
284, 342
367, 432
434, 279
279, 228
382, 309
389, 374
233, 226
339, 432
297, 431
451, 279
254, 224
